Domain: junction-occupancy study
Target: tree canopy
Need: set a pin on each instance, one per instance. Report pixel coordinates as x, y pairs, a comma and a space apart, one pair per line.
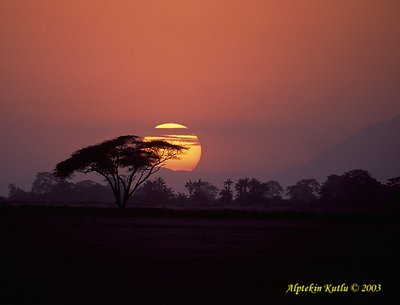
355, 186
125, 162
305, 191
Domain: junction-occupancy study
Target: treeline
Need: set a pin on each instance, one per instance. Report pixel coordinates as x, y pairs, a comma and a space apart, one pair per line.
356, 188
47, 188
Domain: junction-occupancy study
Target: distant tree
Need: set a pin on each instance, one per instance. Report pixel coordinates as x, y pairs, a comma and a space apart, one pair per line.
15, 193
44, 183
181, 198
125, 162
257, 191
190, 187
86, 184
203, 192
355, 187
394, 182
393, 191
361, 188
64, 191
242, 188
305, 191
226, 194
332, 188
273, 191
12, 190
155, 192
360, 177
88, 191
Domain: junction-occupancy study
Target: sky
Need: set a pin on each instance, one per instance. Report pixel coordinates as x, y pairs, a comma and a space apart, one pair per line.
265, 85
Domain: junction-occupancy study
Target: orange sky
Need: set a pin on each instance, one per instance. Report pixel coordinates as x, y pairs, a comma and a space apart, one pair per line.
285, 79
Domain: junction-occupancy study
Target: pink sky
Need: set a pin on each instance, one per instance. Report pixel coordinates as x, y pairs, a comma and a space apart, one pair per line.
279, 79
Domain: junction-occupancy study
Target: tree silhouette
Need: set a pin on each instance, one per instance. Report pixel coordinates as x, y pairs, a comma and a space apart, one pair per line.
305, 191
44, 183
393, 185
12, 190
155, 192
394, 182
125, 162
354, 187
190, 186
226, 194
17, 194
274, 190
85, 191
242, 188
202, 192
332, 188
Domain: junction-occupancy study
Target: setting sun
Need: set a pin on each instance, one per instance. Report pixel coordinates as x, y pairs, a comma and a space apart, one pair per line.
178, 134
170, 126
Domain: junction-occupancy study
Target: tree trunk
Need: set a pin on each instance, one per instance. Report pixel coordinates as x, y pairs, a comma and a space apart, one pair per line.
121, 200
119, 203
118, 200
124, 202
125, 199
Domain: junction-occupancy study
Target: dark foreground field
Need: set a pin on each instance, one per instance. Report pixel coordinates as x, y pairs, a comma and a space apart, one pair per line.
51, 256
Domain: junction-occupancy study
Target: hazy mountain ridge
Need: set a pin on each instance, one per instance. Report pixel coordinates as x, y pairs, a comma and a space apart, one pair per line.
375, 148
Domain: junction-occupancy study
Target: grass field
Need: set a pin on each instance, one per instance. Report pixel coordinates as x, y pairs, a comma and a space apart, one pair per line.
51, 256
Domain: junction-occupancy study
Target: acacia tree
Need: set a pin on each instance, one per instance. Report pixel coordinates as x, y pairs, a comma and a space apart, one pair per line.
125, 162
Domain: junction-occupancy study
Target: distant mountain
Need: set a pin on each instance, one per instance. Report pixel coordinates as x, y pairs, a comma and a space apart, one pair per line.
375, 148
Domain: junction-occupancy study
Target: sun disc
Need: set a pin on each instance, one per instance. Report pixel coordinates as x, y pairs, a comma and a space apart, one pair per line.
178, 134
170, 126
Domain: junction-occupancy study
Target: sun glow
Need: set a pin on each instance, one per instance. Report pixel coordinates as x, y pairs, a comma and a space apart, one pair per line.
178, 134
170, 126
